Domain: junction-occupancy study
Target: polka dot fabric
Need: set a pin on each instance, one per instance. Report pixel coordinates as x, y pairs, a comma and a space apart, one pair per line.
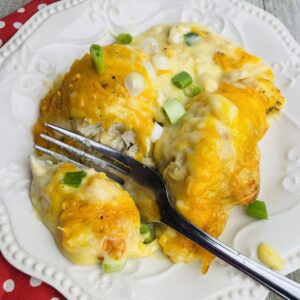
10, 24
15, 285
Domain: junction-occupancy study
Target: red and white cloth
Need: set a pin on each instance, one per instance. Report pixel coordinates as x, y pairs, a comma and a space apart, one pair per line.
15, 285
10, 24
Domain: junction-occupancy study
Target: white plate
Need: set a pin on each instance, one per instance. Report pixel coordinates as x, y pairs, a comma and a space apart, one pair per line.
47, 45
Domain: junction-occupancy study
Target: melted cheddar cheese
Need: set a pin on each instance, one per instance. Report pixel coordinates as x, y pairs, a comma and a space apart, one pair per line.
86, 97
209, 159
96, 220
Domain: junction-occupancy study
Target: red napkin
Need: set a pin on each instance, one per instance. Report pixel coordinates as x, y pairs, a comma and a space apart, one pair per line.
10, 24
15, 285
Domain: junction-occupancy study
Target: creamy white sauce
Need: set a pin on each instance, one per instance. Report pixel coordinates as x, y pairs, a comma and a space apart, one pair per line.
197, 60
222, 108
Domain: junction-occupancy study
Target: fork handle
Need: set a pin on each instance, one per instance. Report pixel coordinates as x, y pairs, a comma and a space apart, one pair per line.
281, 285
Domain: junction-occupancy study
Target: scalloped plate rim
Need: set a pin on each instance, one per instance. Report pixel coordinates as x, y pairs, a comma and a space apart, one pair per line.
30, 27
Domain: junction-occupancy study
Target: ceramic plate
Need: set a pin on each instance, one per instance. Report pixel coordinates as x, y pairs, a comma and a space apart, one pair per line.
46, 46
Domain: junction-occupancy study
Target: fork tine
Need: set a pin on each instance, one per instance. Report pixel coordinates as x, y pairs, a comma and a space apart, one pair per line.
119, 156
63, 158
82, 154
58, 156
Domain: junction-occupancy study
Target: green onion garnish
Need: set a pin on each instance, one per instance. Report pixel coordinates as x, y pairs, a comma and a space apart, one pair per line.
182, 79
192, 90
191, 38
124, 38
97, 56
147, 233
174, 110
258, 210
74, 179
110, 265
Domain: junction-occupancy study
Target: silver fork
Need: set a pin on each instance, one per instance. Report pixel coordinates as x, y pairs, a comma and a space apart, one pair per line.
112, 162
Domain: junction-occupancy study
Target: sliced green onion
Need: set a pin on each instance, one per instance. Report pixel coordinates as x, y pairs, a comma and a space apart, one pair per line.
192, 90
124, 38
182, 79
110, 265
174, 110
97, 56
191, 38
147, 233
258, 210
74, 179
